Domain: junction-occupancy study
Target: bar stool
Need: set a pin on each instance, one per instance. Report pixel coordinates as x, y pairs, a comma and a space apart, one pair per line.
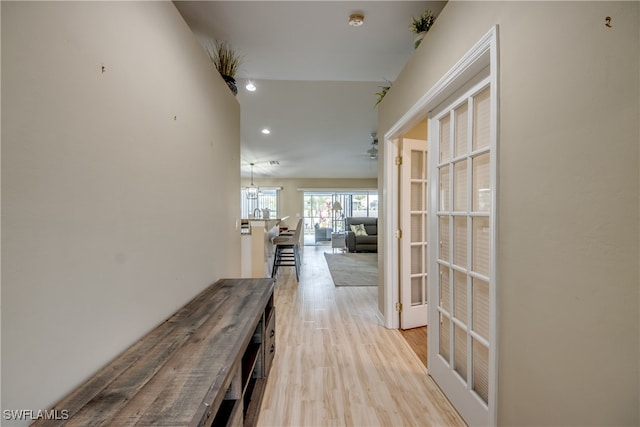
287, 253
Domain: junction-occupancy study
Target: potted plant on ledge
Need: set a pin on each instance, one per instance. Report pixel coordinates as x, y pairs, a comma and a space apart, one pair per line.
227, 61
421, 25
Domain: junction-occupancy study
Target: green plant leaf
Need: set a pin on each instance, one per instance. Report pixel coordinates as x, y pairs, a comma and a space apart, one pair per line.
224, 58
423, 23
382, 93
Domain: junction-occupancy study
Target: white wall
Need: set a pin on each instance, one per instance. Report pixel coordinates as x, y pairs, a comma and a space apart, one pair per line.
119, 188
568, 257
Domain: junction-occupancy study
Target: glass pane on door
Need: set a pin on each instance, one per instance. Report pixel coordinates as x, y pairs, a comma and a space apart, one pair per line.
417, 290
417, 192
417, 264
443, 204
460, 351
481, 120
460, 241
445, 340
417, 224
460, 186
444, 238
417, 164
480, 176
481, 370
461, 126
445, 298
460, 296
481, 245
445, 133
480, 310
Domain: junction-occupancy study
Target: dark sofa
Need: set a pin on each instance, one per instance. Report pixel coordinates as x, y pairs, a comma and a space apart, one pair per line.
368, 243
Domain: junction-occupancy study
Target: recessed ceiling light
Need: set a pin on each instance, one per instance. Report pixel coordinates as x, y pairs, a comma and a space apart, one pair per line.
356, 20
250, 86
266, 131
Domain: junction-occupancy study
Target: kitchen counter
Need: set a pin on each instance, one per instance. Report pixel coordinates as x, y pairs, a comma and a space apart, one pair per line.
246, 224
256, 247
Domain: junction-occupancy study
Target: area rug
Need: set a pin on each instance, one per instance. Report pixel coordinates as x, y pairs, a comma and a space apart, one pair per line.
353, 269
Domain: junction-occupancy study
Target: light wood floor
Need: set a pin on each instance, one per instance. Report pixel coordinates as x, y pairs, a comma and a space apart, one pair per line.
336, 365
417, 340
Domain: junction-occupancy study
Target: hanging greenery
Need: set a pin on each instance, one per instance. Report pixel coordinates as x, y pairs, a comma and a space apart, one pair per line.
383, 91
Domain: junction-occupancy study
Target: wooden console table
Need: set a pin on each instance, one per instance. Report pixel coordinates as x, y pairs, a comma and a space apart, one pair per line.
206, 365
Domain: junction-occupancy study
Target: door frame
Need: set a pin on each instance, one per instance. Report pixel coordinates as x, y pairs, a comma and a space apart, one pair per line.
391, 254
484, 53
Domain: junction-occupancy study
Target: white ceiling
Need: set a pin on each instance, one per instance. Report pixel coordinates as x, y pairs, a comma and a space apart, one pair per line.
317, 77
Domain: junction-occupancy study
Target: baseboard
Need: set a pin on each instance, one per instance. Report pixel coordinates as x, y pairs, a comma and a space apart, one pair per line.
381, 319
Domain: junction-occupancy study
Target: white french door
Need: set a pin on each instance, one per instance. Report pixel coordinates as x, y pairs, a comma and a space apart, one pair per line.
463, 176
413, 245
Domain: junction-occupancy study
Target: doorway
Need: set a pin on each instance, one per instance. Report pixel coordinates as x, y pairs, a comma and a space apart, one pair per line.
325, 212
460, 216
413, 201
413, 244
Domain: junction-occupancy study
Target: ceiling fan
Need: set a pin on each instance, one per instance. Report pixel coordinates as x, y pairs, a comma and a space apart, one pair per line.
373, 151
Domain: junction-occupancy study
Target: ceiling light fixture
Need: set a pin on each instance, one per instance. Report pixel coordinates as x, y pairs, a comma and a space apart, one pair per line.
356, 19
252, 190
266, 131
250, 86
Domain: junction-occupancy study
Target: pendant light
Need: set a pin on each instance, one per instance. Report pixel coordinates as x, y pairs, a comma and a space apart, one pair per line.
252, 190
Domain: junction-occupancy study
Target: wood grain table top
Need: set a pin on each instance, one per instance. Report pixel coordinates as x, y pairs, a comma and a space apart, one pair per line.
179, 371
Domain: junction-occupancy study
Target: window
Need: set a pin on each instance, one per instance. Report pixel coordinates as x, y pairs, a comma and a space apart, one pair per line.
365, 204
267, 198
319, 209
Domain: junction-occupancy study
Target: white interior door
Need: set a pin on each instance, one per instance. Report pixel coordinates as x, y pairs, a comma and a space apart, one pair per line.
461, 343
413, 244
